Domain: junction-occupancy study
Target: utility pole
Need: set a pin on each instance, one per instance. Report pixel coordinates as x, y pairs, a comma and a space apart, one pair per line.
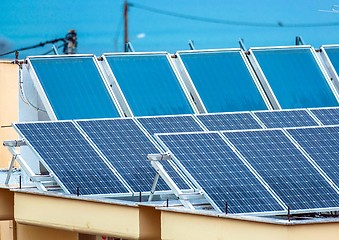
125, 25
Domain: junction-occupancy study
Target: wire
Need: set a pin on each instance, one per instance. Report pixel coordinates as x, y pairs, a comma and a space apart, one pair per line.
23, 95
35, 46
229, 22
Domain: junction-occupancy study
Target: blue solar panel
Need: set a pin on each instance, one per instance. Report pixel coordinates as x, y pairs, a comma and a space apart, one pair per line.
170, 124
71, 158
223, 81
285, 169
327, 116
74, 87
149, 84
288, 118
295, 78
333, 55
322, 144
219, 171
228, 121
126, 146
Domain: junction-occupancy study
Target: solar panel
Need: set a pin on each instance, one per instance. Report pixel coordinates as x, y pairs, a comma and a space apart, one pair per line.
126, 146
285, 169
74, 87
295, 77
228, 121
322, 144
223, 80
70, 158
149, 84
169, 124
286, 118
327, 116
219, 171
333, 54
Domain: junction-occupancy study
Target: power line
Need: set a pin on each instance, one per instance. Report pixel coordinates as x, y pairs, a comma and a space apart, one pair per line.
229, 22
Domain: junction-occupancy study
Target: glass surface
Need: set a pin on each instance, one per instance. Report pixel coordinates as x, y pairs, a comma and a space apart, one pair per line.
285, 169
295, 78
74, 88
71, 158
286, 118
220, 172
223, 81
149, 84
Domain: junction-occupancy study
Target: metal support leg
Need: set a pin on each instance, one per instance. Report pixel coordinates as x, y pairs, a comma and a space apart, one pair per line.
156, 178
9, 173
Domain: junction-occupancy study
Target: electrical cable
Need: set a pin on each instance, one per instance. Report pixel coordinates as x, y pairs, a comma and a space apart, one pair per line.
230, 22
23, 96
35, 46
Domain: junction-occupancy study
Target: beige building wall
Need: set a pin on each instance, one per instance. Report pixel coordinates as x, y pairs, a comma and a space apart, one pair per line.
177, 226
8, 107
28, 232
7, 230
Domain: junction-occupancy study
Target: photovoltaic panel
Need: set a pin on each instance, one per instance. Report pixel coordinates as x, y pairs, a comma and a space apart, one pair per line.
71, 158
333, 54
126, 146
327, 116
322, 144
169, 124
228, 121
286, 118
149, 84
219, 171
223, 80
285, 169
295, 77
74, 87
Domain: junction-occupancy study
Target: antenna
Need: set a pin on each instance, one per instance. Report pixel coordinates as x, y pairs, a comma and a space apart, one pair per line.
126, 26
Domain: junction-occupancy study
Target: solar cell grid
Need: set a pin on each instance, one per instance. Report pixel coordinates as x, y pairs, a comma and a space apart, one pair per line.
227, 121
327, 116
322, 144
71, 158
126, 146
285, 169
286, 118
168, 124
221, 174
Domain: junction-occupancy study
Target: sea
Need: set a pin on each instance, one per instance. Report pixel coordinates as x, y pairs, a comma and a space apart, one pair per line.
165, 25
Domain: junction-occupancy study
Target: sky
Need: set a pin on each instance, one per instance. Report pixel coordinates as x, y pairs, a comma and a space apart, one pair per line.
166, 25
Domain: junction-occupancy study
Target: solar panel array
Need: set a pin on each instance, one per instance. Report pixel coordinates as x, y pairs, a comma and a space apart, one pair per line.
251, 169
244, 165
285, 169
220, 172
71, 158
154, 84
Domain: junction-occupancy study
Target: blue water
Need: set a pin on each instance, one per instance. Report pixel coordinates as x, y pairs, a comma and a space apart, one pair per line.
100, 27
